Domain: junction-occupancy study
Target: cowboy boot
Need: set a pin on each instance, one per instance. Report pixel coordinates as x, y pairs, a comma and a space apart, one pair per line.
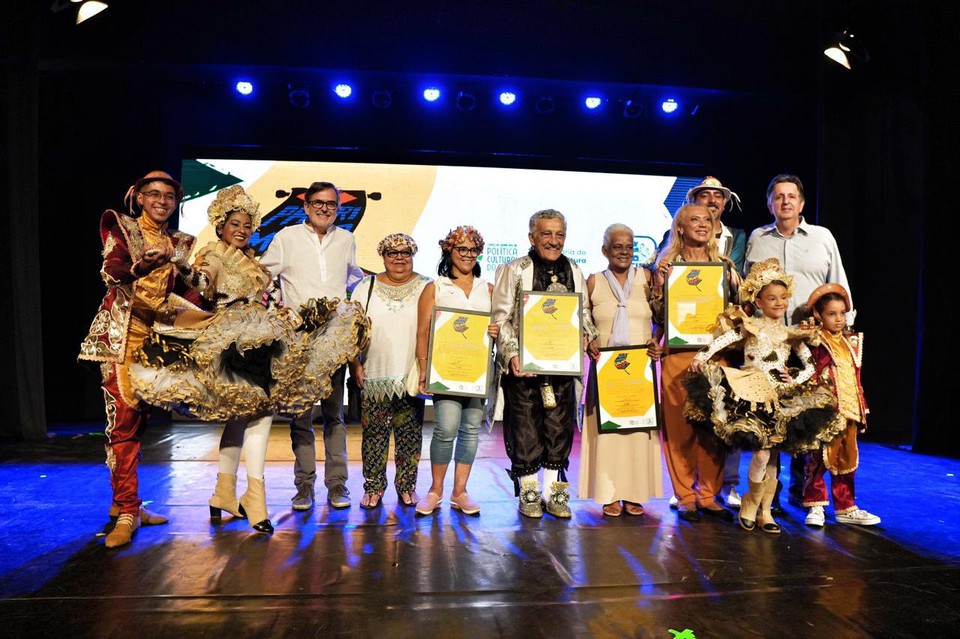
122, 533
559, 498
224, 497
253, 506
531, 502
765, 517
749, 504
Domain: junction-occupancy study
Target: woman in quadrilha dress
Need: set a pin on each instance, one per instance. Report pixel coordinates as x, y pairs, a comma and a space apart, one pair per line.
620, 470
762, 406
242, 362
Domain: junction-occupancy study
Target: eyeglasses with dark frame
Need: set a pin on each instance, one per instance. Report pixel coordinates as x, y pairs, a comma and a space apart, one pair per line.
330, 205
398, 255
467, 251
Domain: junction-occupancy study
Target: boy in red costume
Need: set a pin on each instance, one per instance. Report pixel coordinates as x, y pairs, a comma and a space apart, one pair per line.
837, 359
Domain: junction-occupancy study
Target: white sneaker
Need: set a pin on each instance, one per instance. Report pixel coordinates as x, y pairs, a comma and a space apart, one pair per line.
674, 502
731, 497
815, 517
858, 517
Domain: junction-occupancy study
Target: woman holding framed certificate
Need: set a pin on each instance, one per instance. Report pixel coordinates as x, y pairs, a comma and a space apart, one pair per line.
453, 351
694, 456
621, 469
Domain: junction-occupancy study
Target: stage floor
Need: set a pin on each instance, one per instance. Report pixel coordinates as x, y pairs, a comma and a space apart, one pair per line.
388, 573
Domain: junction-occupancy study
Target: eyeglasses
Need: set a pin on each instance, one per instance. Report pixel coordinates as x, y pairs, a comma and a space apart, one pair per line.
399, 255
157, 195
466, 251
330, 205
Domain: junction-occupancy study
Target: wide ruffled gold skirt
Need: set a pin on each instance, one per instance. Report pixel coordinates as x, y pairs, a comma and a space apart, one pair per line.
246, 360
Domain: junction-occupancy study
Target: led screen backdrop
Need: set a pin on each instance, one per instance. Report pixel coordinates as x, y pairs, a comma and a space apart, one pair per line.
427, 201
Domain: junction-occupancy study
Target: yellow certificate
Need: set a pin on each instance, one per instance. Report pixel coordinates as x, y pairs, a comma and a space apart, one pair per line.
458, 362
625, 389
551, 341
695, 293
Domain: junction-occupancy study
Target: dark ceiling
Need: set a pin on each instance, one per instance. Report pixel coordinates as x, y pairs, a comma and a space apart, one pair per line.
719, 44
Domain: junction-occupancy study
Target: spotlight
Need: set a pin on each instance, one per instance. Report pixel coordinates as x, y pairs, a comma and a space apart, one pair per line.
89, 9
343, 91
466, 101
669, 105
507, 98
545, 105
632, 109
431, 94
299, 97
592, 102
244, 87
382, 99
844, 47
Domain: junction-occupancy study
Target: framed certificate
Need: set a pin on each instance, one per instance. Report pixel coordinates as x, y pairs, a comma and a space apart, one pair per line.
693, 295
551, 334
458, 359
625, 390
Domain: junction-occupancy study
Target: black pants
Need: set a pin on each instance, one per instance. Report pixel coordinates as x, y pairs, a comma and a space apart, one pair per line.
536, 437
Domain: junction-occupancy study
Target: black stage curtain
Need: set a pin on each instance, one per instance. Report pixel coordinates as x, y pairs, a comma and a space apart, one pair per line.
23, 415
888, 152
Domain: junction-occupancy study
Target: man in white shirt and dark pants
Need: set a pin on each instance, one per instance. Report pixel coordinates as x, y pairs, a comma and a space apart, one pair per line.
317, 259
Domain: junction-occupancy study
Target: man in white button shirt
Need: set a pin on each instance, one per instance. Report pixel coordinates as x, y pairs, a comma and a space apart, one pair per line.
317, 259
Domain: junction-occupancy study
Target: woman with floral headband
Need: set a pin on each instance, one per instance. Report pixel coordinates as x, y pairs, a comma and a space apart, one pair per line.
458, 286
243, 361
764, 406
390, 301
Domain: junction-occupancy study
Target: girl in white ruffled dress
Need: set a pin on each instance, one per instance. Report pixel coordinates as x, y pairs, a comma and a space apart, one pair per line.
764, 406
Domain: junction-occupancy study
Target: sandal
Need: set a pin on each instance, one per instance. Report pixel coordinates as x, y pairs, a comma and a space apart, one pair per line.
614, 509
371, 500
408, 498
633, 509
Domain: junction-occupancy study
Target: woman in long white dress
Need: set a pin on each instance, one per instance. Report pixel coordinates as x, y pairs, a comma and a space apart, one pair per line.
620, 470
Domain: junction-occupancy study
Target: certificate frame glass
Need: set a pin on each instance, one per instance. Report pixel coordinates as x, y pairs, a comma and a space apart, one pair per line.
458, 371
546, 348
625, 401
684, 298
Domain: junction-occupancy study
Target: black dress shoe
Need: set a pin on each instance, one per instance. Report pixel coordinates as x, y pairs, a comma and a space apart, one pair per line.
688, 514
719, 513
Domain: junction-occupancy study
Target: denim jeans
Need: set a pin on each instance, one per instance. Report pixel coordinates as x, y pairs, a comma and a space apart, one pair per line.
456, 417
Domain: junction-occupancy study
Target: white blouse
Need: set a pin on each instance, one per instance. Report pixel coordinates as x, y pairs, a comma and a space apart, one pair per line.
450, 295
393, 339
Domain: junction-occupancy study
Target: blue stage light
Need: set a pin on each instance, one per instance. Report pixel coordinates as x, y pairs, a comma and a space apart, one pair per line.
343, 91
592, 102
507, 98
669, 105
244, 87
431, 94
